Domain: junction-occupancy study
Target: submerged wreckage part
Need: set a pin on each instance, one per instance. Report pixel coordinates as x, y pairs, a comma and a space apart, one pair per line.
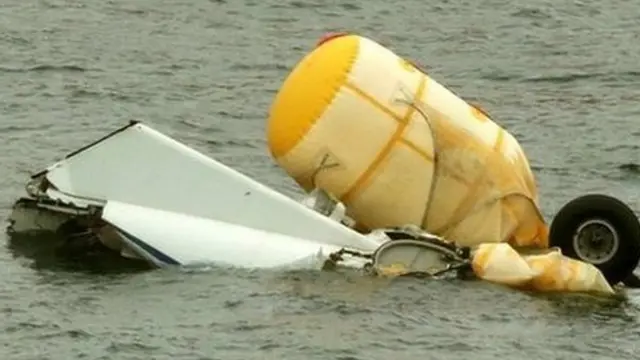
139, 165
421, 257
429, 158
167, 238
543, 271
412, 251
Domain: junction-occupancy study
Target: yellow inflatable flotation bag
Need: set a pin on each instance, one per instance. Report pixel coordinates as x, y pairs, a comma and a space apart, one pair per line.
399, 148
549, 271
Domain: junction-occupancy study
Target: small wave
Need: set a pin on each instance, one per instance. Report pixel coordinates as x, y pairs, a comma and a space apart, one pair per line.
564, 78
246, 326
614, 172
24, 126
622, 147
172, 69
30, 326
118, 346
230, 304
551, 170
499, 77
74, 334
348, 357
196, 125
350, 309
45, 68
630, 168
350, 6
260, 67
131, 11
281, 20
531, 13
14, 39
62, 4
233, 143
306, 4
230, 115
78, 94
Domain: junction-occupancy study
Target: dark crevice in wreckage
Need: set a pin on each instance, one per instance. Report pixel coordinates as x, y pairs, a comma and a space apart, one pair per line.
71, 246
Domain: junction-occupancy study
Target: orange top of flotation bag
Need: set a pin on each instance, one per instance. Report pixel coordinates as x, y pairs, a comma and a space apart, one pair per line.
330, 36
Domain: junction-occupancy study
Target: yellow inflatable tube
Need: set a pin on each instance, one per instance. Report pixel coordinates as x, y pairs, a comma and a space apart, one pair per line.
399, 148
549, 271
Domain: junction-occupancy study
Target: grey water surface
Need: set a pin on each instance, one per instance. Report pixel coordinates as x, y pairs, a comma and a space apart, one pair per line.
562, 76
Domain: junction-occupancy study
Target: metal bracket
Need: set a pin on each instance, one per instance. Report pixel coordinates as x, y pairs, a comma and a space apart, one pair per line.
421, 257
409, 252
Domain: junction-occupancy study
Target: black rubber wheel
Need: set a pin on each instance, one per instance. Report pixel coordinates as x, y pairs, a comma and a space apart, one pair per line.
601, 230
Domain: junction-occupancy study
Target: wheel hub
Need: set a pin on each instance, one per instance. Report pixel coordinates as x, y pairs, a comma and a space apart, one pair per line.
596, 241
